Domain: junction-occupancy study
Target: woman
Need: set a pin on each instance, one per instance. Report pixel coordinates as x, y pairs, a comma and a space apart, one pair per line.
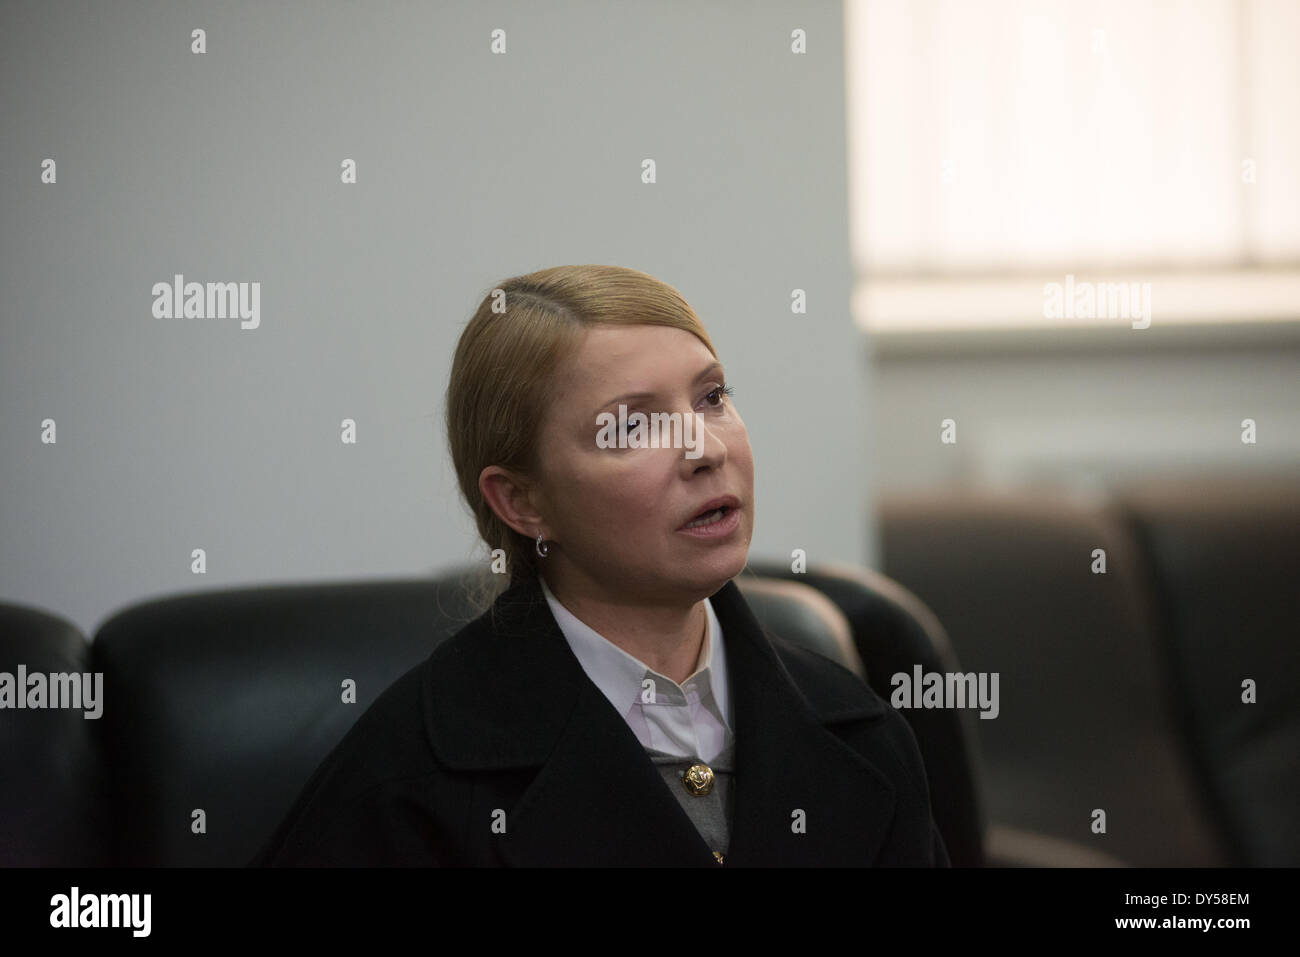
617, 704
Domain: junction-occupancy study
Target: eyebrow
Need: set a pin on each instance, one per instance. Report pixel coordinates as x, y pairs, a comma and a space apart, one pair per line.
714, 367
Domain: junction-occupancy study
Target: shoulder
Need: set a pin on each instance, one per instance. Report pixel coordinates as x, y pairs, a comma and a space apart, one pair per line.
852, 710
386, 791
387, 740
830, 688
862, 720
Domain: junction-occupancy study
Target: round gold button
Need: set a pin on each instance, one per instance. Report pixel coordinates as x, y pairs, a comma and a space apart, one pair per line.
698, 779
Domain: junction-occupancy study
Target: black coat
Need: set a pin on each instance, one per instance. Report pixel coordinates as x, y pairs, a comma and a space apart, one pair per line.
501, 724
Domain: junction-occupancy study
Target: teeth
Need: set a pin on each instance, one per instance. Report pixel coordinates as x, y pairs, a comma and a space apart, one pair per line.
707, 519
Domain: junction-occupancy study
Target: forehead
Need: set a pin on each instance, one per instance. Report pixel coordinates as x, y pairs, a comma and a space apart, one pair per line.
632, 357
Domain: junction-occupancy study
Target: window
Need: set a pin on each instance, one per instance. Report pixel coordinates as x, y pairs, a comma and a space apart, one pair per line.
997, 147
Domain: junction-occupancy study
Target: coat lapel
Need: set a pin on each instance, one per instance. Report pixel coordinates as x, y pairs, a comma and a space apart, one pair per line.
803, 796
597, 799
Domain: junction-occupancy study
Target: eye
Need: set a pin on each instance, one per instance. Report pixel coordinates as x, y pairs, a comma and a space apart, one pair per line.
721, 392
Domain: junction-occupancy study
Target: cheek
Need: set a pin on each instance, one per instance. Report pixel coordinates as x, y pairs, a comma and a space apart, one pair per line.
741, 450
622, 493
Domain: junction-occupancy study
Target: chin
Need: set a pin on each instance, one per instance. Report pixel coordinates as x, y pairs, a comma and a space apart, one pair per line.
710, 575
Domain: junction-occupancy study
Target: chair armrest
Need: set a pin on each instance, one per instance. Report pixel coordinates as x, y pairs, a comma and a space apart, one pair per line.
1011, 847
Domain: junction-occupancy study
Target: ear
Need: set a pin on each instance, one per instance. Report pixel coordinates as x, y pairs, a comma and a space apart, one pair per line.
511, 496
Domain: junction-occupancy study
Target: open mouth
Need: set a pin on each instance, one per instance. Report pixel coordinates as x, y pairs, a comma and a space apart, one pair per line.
708, 518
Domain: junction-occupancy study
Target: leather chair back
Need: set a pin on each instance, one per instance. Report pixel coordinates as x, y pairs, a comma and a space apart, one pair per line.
1087, 717
52, 807
1224, 557
225, 702
894, 631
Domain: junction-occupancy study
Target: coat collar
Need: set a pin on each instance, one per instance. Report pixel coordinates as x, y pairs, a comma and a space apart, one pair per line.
522, 700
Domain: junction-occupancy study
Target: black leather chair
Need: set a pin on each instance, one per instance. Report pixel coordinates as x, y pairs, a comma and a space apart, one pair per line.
223, 703
1224, 559
220, 704
794, 612
892, 630
1087, 711
52, 811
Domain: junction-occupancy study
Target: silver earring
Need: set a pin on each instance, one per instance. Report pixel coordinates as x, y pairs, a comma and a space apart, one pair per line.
543, 548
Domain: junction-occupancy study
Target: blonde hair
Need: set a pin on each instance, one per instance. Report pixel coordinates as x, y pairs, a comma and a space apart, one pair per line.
503, 378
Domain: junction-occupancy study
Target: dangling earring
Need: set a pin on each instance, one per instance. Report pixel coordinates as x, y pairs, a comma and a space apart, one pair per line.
543, 549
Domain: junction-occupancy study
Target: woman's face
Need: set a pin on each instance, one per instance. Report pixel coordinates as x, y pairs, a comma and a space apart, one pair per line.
617, 515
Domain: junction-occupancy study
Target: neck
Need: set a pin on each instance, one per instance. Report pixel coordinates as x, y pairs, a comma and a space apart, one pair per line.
665, 637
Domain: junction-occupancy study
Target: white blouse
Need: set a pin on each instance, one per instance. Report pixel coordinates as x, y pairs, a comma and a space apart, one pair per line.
690, 720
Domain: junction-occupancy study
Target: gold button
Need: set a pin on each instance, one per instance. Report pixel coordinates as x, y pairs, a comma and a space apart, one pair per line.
698, 779
718, 856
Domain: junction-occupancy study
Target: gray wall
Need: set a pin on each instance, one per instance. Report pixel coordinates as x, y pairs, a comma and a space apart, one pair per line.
1086, 412
182, 433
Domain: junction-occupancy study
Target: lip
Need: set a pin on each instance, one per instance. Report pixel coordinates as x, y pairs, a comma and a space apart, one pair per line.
722, 528
729, 501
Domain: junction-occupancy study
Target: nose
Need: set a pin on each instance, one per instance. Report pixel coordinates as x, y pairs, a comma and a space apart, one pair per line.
705, 446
